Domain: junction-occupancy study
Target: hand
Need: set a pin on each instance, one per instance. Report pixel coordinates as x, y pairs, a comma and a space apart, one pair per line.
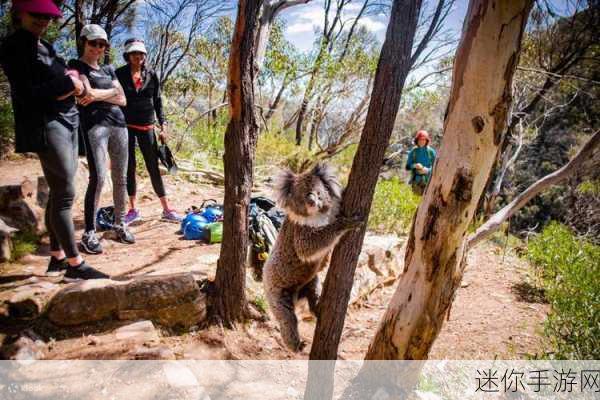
163, 135
79, 88
72, 73
90, 97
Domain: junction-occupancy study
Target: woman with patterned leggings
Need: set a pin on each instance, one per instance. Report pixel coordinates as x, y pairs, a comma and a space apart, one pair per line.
105, 132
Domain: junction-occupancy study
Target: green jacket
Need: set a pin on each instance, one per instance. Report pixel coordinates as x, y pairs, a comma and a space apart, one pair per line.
424, 156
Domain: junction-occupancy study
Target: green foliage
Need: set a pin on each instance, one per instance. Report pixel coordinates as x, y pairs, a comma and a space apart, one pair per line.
23, 243
279, 150
6, 120
591, 187
261, 303
569, 268
394, 205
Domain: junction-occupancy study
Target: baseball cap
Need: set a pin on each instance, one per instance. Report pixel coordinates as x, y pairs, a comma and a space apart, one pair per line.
47, 7
93, 32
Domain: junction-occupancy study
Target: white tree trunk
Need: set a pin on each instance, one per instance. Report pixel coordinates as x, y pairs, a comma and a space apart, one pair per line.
476, 117
270, 10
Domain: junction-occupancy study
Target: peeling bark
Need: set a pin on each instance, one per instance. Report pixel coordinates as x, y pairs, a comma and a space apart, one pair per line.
228, 300
480, 99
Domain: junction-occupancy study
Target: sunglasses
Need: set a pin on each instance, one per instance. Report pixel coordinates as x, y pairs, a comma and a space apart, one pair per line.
128, 41
97, 44
46, 17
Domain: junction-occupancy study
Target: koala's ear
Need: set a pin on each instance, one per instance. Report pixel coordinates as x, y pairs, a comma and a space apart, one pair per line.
284, 187
327, 175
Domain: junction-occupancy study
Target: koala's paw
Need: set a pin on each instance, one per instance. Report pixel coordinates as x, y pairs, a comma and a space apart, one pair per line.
352, 223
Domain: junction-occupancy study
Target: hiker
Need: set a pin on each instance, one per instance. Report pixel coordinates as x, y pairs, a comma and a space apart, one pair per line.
104, 132
420, 162
46, 123
144, 104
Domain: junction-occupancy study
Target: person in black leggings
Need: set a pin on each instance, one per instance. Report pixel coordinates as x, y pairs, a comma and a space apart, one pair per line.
142, 90
46, 122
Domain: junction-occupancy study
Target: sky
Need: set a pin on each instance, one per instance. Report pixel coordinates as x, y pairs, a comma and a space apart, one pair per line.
302, 20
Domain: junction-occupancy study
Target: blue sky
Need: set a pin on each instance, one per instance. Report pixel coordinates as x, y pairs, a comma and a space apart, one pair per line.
301, 21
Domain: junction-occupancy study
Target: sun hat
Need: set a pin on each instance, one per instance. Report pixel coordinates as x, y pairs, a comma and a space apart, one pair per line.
47, 7
134, 45
94, 32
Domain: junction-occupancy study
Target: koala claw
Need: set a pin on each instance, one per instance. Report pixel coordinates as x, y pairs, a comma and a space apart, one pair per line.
354, 222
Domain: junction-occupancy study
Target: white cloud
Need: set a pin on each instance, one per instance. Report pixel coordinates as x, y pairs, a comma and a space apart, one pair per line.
301, 27
372, 24
302, 20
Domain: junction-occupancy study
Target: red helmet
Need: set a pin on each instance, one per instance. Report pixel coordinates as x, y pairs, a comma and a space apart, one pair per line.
422, 135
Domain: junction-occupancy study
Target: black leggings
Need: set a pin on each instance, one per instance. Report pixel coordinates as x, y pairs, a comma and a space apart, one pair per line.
147, 142
59, 163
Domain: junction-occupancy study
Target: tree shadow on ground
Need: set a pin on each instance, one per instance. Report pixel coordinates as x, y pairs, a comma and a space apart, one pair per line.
528, 293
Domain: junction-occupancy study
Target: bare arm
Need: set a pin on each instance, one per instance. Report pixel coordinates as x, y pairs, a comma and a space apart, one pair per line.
113, 96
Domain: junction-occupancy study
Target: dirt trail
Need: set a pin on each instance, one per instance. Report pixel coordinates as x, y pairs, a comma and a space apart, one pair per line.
489, 319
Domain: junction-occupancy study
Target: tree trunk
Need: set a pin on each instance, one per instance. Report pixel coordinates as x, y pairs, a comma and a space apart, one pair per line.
270, 10
229, 299
79, 23
273, 106
476, 119
392, 69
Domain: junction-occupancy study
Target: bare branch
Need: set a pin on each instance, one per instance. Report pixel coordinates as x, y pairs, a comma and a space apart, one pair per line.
494, 223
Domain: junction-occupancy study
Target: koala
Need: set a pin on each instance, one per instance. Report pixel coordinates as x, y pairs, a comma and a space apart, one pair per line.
310, 231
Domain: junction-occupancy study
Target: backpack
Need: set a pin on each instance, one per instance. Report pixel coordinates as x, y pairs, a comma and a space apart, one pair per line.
105, 218
264, 222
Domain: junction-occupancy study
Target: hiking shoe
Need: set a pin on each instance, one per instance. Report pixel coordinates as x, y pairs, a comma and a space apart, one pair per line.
132, 215
84, 271
124, 235
171, 216
56, 266
90, 243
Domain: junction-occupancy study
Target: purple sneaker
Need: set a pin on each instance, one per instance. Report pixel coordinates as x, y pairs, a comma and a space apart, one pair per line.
132, 215
171, 216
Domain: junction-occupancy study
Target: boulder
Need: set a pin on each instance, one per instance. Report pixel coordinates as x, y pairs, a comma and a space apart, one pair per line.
29, 301
6, 245
378, 264
19, 207
170, 300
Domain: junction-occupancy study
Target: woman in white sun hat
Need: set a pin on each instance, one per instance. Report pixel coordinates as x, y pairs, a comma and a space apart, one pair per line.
144, 106
105, 133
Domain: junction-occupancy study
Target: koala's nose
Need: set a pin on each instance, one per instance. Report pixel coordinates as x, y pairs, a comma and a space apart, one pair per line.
311, 199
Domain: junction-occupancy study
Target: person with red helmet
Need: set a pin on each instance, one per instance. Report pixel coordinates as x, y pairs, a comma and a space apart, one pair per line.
420, 162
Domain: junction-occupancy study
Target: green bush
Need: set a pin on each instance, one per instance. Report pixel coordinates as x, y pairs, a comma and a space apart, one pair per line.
570, 272
393, 207
23, 243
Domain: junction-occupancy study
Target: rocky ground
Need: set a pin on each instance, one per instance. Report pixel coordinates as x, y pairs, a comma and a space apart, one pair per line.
149, 311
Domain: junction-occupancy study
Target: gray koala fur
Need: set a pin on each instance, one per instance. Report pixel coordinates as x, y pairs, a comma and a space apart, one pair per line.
309, 233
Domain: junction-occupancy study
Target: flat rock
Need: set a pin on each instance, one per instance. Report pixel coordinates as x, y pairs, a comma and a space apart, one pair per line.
143, 331
170, 300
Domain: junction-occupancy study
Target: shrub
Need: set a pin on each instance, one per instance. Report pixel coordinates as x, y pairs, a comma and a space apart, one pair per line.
393, 206
275, 149
569, 269
23, 243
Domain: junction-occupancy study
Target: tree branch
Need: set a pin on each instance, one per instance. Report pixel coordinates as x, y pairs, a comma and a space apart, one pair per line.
493, 224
